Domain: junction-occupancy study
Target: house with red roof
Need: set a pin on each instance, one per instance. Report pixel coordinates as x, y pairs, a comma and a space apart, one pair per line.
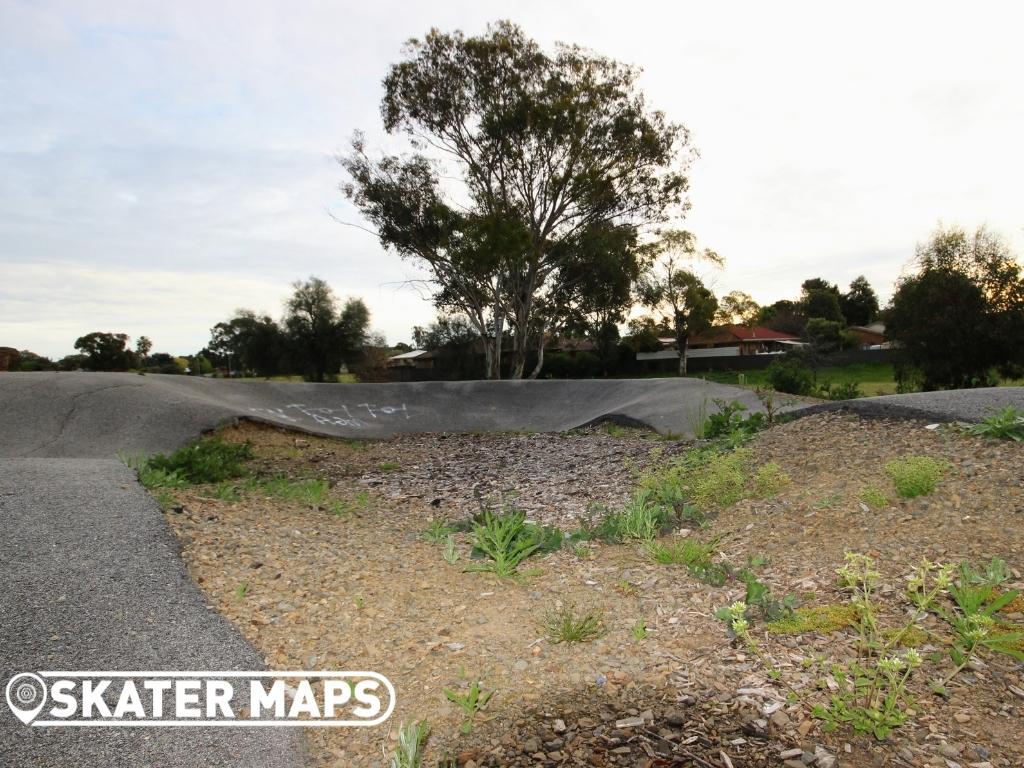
749, 340
727, 341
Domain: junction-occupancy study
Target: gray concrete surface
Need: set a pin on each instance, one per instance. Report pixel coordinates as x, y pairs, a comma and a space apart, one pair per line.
99, 414
969, 405
91, 580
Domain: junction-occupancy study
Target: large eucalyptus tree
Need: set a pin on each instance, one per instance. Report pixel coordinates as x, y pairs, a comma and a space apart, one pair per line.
518, 158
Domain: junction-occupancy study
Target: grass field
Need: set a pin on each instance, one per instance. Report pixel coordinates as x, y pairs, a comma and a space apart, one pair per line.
873, 378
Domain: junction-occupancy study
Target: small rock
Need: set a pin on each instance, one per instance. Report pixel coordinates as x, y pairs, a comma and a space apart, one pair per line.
531, 745
558, 726
950, 750
520, 665
962, 717
630, 722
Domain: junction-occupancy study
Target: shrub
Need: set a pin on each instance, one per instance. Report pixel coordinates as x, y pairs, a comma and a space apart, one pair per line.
848, 391
791, 376
916, 475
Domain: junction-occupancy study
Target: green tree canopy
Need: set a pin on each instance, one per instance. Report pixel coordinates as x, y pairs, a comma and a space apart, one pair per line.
738, 308
542, 152
688, 306
248, 342
859, 305
960, 317
320, 336
105, 351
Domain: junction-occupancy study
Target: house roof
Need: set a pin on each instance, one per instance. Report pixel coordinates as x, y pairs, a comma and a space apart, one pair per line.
725, 334
411, 355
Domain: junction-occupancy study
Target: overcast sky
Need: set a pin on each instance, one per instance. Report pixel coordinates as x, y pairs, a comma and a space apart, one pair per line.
162, 164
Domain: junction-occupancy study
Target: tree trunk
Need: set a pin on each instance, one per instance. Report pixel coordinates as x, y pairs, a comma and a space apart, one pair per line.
540, 354
682, 337
499, 332
520, 344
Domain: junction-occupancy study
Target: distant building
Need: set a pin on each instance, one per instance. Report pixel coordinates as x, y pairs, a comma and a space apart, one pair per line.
9, 358
871, 336
728, 341
420, 359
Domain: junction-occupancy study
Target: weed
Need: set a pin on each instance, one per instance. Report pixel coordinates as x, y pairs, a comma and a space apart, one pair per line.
729, 422
210, 460
565, 625
829, 501
438, 532
309, 492
471, 703
451, 553
581, 550
224, 492
242, 591
359, 602
873, 497
995, 573
871, 695
760, 596
974, 619
916, 475
769, 479
688, 552
389, 466
1007, 424
505, 540
626, 588
359, 503
152, 477
707, 478
697, 419
165, 498
642, 519
770, 403
614, 430
639, 630
412, 738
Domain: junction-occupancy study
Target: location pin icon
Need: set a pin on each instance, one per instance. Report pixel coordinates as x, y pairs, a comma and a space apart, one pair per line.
26, 696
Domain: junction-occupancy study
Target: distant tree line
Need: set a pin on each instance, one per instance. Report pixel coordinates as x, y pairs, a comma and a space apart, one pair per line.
315, 338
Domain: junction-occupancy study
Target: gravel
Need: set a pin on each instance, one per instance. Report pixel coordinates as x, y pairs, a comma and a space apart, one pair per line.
366, 590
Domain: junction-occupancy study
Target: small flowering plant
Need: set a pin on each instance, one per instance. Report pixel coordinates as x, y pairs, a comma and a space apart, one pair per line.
872, 698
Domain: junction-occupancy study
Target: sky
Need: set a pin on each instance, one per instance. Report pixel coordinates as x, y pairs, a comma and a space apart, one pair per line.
162, 164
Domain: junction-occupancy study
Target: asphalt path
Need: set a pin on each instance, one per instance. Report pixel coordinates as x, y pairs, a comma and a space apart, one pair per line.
90, 577
91, 580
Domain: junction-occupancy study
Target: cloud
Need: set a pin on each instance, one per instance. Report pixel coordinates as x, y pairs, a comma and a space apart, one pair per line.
186, 148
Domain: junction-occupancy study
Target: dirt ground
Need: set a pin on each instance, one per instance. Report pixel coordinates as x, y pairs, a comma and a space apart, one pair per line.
365, 590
